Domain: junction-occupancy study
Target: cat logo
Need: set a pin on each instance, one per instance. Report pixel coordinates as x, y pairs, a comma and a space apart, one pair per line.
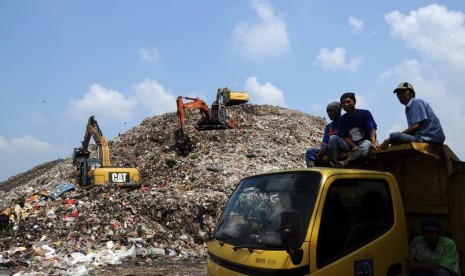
119, 177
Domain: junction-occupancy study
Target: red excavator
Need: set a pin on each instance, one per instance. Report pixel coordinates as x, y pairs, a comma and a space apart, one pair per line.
217, 117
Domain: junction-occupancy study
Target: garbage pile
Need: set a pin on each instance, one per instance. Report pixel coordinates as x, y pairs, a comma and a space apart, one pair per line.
71, 230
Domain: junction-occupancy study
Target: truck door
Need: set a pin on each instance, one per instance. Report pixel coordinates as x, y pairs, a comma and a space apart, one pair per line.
355, 231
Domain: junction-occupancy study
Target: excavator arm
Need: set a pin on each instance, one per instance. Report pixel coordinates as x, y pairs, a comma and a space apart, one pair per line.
93, 131
182, 139
216, 117
195, 103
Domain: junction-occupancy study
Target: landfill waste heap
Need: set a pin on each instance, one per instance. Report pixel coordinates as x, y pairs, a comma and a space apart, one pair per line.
174, 211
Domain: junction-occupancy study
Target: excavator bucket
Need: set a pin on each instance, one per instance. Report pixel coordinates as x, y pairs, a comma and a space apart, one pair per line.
80, 156
183, 142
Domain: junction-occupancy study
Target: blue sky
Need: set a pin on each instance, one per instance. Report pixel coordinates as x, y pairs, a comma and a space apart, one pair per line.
124, 61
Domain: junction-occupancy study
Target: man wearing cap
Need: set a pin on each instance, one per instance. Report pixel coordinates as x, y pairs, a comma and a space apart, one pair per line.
314, 156
423, 124
356, 133
432, 253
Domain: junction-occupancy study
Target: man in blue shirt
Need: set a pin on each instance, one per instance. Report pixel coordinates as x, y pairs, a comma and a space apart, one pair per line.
314, 156
423, 124
356, 133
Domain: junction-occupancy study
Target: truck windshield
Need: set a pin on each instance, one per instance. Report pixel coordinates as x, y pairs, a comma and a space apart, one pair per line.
252, 217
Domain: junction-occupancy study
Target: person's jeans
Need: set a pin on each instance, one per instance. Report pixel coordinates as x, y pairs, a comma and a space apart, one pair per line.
427, 272
397, 138
336, 142
311, 153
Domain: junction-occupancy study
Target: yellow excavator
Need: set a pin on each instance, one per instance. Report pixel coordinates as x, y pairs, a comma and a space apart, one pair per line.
98, 171
229, 97
216, 117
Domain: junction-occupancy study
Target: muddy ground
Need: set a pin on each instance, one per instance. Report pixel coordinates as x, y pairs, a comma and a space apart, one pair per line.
153, 267
156, 268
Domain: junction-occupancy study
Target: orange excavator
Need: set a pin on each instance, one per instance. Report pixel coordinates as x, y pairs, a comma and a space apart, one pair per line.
218, 117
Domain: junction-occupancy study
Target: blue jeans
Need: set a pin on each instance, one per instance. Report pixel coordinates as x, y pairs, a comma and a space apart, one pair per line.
397, 138
336, 142
311, 153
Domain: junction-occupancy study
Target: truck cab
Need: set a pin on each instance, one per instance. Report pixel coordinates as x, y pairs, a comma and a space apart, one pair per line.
327, 221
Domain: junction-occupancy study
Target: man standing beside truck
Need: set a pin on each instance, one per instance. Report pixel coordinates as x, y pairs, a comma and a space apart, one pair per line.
423, 124
431, 253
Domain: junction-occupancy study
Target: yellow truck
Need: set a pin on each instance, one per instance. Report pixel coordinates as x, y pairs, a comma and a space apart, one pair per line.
328, 221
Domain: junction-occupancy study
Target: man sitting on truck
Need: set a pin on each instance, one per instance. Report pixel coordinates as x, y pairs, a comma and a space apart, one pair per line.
423, 124
314, 156
432, 253
356, 133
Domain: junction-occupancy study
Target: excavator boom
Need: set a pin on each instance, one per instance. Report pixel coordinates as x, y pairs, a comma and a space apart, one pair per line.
93, 130
215, 118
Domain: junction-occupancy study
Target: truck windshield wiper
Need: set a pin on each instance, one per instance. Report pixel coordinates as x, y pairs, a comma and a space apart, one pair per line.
227, 237
248, 247
252, 247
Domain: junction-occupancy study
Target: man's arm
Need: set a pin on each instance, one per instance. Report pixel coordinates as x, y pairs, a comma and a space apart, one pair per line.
411, 265
412, 129
351, 144
373, 140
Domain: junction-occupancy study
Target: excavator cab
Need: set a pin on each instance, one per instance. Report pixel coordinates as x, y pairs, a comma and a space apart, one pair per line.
219, 118
229, 97
87, 168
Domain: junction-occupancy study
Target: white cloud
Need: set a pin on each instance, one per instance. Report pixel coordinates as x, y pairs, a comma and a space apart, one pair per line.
433, 31
336, 61
267, 38
356, 25
433, 90
150, 55
3, 144
102, 102
153, 96
26, 144
264, 94
438, 35
444, 98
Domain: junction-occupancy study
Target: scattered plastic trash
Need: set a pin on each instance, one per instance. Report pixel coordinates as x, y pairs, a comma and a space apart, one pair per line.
61, 189
86, 228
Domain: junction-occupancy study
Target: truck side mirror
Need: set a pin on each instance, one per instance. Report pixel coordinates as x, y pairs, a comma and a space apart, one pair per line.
291, 234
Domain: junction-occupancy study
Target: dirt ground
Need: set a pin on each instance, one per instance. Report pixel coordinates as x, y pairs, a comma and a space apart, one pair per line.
155, 268
152, 267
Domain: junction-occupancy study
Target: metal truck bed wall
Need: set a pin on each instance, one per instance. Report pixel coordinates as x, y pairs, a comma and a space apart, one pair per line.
432, 183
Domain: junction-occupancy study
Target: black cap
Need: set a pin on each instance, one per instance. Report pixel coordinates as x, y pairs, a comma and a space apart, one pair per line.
430, 224
350, 95
404, 86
